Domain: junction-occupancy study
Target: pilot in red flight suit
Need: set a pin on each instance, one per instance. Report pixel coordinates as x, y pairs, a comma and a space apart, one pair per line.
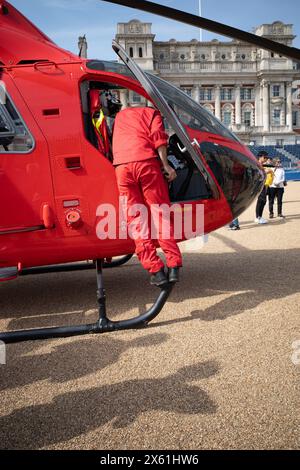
138, 139
100, 124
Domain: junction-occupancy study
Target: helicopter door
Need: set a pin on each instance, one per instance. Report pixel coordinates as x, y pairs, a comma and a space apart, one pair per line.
190, 147
26, 194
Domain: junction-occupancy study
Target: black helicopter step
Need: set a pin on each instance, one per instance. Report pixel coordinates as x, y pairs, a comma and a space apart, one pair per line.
103, 324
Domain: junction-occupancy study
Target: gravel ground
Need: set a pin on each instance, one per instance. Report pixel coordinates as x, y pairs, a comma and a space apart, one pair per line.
214, 370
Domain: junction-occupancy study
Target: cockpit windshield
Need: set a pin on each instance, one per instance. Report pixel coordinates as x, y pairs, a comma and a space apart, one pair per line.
189, 112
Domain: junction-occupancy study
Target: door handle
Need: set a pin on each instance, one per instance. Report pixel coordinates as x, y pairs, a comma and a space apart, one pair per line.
73, 163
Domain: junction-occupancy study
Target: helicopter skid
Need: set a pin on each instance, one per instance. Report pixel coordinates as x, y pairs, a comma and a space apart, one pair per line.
103, 325
67, 267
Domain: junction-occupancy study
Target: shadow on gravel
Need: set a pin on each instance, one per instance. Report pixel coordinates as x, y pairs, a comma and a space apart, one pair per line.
75, 413
69, 360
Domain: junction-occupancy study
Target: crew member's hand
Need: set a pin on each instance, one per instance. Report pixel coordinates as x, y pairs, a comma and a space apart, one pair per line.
170, 173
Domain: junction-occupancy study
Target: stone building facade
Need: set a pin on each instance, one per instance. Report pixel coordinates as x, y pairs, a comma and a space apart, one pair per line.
253, 91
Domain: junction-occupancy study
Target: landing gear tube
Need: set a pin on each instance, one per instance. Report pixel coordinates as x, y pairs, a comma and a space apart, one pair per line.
103, 324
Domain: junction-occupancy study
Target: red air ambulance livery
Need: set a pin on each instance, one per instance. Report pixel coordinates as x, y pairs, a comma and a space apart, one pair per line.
53, 172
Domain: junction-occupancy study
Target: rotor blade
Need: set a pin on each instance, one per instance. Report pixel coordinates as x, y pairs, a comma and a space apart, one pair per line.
213, 26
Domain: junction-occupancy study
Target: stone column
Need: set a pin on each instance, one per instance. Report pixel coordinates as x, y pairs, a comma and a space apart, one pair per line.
124, 98
217, 102
196, 93
257, 91
289, 107
265, 110
238, 119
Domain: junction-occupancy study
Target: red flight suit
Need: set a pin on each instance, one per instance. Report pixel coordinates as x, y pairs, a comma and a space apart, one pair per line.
138, 133
100, 124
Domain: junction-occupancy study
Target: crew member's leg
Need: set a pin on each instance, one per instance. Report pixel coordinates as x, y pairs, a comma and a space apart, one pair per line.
155, 191
145, 248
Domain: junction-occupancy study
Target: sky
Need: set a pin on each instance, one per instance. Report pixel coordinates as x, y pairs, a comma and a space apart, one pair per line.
64, 20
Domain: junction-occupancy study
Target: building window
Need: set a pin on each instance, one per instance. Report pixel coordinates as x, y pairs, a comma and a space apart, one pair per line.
203, 56
295, 118
227, 118
226, 94
136, 98
182, 56
227, 115
205, 94
247, 118
161, 56
246, 93
279, 142
131, 51
140, 52
276, 90
276, 117
14, 135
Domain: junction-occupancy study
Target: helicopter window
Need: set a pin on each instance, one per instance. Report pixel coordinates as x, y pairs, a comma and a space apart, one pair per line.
107, 66
189, 112
14, 135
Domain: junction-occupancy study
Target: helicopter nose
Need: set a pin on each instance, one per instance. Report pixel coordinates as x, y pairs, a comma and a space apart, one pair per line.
237, 172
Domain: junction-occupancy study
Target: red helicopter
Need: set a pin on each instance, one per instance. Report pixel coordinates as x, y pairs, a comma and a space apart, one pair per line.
54, 173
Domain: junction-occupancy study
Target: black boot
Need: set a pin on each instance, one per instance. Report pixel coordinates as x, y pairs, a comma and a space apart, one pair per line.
173, 274
159, 279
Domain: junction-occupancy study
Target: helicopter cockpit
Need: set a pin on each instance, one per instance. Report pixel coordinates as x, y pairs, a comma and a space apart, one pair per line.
190, 184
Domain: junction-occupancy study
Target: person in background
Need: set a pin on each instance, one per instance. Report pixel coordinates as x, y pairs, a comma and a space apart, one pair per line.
276, 189
269, 168
262, 198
